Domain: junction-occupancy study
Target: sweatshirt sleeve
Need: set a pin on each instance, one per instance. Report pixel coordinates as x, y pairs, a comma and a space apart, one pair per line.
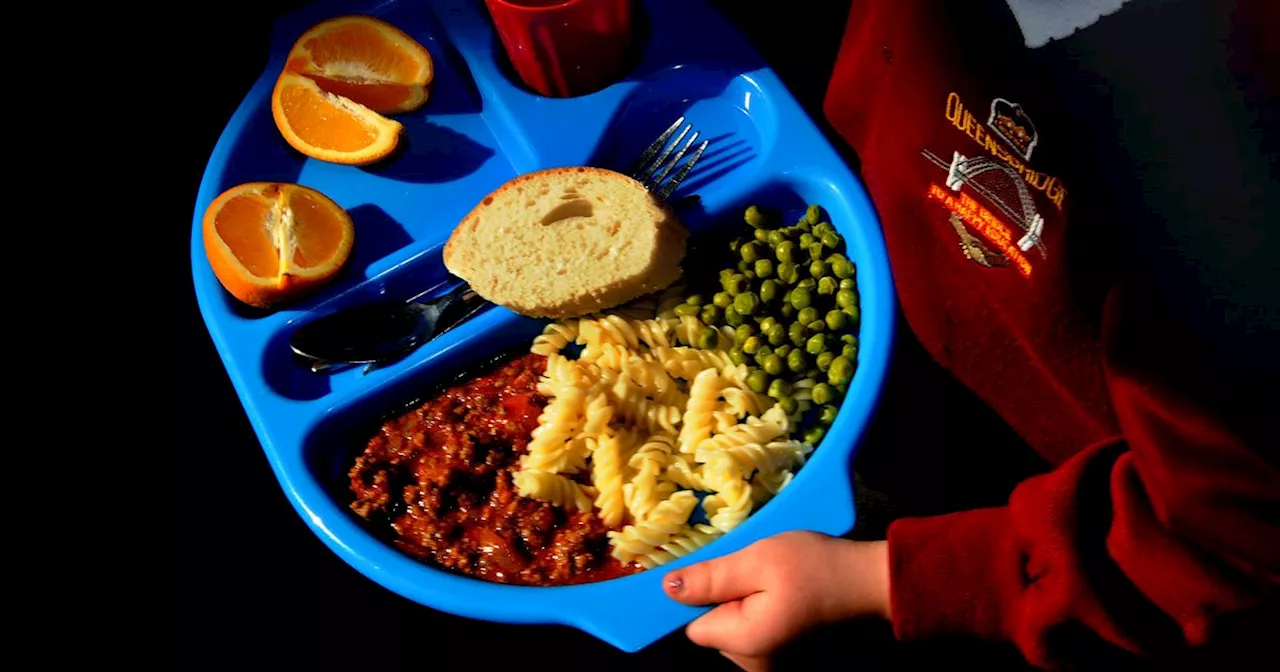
1144, 543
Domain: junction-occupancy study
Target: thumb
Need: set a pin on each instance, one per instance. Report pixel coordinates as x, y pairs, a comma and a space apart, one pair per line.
717, 580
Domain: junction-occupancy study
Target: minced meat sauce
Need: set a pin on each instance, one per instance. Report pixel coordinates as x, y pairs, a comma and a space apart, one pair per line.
439, 478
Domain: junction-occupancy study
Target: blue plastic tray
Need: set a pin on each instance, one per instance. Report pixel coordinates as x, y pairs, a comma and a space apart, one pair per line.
479, 130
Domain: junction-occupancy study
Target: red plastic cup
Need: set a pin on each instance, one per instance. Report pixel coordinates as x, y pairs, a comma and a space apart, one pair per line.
564, 48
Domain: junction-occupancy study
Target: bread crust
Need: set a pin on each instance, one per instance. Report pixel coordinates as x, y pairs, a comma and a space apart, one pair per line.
663, 268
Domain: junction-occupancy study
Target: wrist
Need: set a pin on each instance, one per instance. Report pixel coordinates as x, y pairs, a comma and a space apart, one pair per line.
865, 574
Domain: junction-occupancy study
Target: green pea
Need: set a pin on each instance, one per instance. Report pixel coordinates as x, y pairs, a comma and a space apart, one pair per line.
813, 214
807, 315
755, 218
752, 345
788, 310
772, 364
758, 381
854, 313
711, 314
831, 240
763, 352
849, 339
818, 269
742, 333
803, 225
786, 251
732, 317
782, 350
823, 393
849, 352
694, 300
827, 415
724, 273
776, 237
764, 268
762, 235
813, 435
816, 327
811, 372
797, 333
779, 389
706, 338
686, 309
750, 252
841, 371
816, 344
722, 299
788, 273
835, 257
824, 361
808, 283
769, 291
733, 283
806, 239
789, 405
737, 356
746, 303
800, 297
841, 269
766, 322
848, 283
776, 334
822, 228
846, 299
735, 244
816, 252
796, 361
744, 266
836, 320
827, 285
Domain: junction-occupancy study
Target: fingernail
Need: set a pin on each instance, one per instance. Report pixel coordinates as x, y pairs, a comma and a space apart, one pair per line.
675, 583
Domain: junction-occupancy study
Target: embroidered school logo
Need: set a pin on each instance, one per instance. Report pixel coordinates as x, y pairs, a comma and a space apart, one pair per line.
990, 195
1012, 124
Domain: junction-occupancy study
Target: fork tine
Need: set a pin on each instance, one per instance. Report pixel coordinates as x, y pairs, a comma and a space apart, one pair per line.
665, 192
649, 180
676, 161
636, 170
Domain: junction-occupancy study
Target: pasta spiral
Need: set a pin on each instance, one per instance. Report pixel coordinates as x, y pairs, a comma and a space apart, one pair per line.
729, 507
553, 488
606, 474
663, 524
704, 392
689, 540
554, 338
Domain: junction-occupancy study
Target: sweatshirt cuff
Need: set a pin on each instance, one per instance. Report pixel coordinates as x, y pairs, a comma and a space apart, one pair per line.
956, 574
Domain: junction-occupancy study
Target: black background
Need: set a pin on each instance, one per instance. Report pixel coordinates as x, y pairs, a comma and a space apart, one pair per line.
254, 586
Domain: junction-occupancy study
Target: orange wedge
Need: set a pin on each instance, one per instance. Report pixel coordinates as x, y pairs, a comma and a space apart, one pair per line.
270, 242
367, 60
328, 126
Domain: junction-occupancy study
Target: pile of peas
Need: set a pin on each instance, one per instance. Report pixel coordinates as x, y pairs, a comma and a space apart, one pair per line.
792, 299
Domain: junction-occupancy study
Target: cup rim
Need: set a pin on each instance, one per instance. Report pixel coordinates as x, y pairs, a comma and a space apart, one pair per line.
507, 4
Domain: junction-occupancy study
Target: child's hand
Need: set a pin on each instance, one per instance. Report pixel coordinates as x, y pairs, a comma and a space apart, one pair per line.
777, 588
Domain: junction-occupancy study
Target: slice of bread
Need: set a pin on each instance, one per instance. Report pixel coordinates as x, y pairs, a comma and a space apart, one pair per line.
565, 242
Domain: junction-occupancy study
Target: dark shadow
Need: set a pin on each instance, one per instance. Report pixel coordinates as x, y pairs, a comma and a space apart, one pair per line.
454, 89
289, 377
260, 154
378, 235
718, 161
432, 154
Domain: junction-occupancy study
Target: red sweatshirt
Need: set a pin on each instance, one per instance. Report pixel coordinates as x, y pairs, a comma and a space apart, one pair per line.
1050, 250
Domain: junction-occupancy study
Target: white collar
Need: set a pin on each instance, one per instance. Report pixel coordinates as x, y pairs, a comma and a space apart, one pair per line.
1045, 20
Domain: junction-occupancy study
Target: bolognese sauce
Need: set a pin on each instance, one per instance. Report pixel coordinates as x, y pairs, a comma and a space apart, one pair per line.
438, 481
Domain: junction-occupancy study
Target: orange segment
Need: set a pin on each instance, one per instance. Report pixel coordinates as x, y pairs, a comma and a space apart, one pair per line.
367, 60
330, 127
270, 242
